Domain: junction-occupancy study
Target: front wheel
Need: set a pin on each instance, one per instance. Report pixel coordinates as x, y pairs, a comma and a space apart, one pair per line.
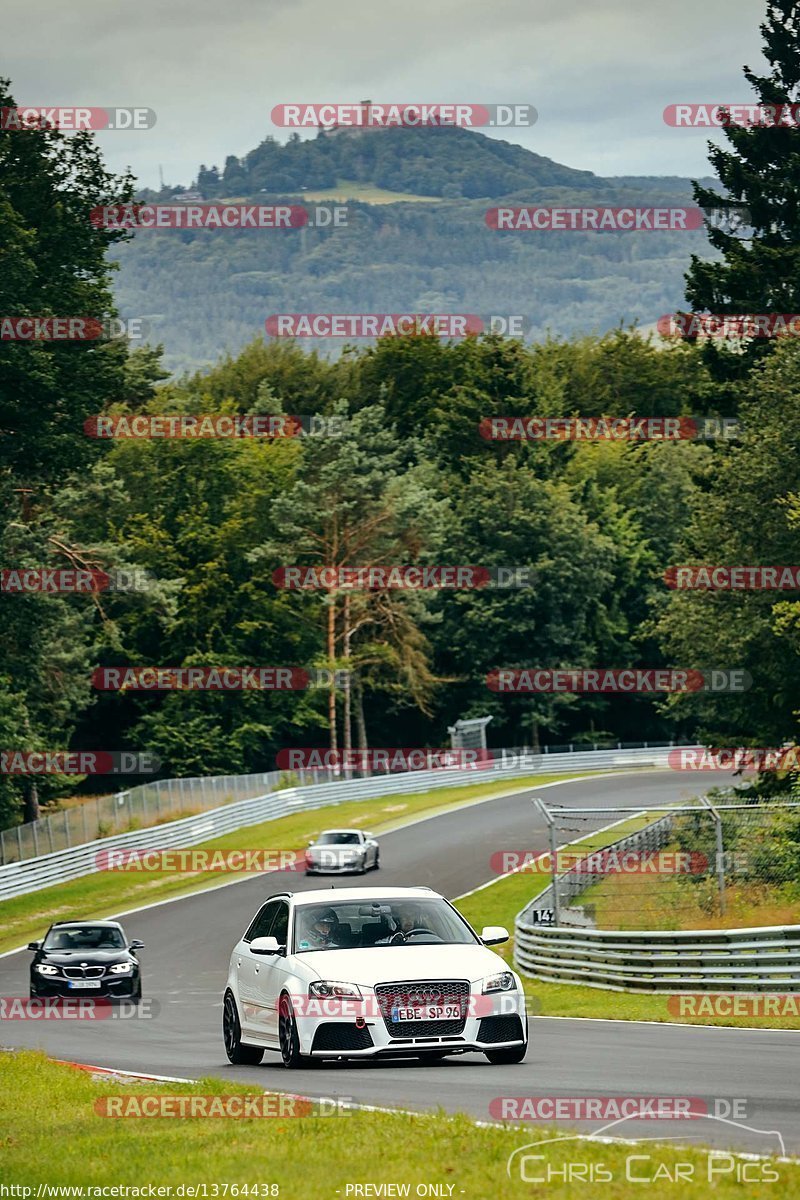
377, 862
288, 1037
513, 1054
238, 1053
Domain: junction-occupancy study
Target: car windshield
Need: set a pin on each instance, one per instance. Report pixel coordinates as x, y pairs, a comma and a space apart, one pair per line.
85, 937
344, 837
391, 923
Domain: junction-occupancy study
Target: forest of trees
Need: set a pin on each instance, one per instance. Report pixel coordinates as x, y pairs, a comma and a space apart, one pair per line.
408, 479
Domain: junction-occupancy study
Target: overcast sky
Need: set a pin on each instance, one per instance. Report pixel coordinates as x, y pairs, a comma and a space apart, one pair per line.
600, 73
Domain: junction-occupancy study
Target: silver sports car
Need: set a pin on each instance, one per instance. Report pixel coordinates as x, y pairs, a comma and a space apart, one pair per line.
342, 850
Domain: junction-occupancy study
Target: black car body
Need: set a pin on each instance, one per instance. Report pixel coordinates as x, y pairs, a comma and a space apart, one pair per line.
86, 958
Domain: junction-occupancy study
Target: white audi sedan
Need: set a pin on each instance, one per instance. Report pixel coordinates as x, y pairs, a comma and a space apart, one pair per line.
365, 972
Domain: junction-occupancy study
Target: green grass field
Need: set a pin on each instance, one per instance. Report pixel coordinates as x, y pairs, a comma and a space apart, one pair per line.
25, 918
57, 1137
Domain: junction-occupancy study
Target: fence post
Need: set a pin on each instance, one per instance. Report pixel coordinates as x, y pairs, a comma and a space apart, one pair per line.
720, 852
543, 809
50, 832
86, 837
35, 838
19, 841
66, 828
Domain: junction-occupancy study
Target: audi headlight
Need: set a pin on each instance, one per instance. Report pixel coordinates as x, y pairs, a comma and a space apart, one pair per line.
328, 987
504, 982
123, 968
46, 969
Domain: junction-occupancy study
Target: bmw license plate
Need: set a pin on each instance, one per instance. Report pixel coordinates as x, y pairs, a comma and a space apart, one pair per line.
84, 983
427, 1012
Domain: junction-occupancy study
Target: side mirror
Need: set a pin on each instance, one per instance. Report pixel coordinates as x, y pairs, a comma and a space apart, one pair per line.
34, 945
311, 843
265, 945
493, 935
368, 837
136, 945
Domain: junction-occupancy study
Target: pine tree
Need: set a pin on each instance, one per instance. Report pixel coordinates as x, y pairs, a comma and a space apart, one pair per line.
760, 170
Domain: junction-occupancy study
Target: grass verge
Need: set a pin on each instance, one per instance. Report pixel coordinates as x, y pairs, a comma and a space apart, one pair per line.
667, 902
500, 903
58, 1138
25, 918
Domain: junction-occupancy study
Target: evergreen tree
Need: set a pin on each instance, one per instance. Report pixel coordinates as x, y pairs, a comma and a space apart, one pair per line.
760, 170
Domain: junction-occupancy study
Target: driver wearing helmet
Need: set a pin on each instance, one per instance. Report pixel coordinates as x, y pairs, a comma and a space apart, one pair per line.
321, 929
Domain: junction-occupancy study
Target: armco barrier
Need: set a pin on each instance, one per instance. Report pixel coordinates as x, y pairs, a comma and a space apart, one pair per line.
708, 960
34, 873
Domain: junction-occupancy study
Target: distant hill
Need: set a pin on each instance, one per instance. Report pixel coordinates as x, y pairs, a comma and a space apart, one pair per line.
416, 241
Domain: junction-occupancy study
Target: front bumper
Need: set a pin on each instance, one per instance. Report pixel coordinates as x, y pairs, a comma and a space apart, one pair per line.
114, 985
335, 868
492, 1022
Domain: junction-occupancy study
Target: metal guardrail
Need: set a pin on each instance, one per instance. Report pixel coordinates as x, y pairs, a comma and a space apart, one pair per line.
165, 800
32, 874
765, 959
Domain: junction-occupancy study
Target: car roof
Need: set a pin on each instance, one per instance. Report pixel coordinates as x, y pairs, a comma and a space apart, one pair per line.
334, 894
340, 831
83, 924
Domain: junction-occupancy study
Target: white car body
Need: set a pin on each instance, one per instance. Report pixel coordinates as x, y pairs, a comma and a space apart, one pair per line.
368, 1024
359, 852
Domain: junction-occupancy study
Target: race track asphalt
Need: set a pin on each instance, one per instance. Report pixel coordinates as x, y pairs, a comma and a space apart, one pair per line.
188, 944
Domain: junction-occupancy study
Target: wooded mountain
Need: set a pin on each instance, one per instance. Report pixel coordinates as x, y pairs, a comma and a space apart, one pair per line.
206, 292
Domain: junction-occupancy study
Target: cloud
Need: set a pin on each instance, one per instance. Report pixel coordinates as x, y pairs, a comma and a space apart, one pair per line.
600, 75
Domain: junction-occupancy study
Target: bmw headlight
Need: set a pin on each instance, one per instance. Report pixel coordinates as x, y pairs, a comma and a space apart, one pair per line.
123, 968
328, 987
46, 969
503, 982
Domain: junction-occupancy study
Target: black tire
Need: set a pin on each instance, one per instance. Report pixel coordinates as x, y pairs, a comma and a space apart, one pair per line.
238, 1053
137, 995
507, 1056
287, 1036
377, 865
